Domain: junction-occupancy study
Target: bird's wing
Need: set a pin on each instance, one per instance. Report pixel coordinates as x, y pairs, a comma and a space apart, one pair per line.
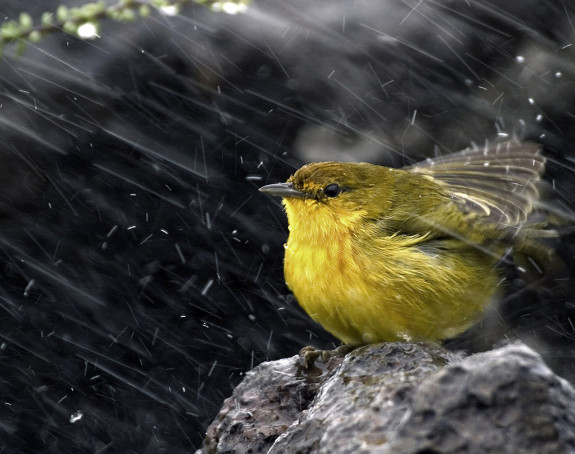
497, 183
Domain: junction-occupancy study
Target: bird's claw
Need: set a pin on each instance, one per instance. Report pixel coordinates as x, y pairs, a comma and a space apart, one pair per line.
310, 354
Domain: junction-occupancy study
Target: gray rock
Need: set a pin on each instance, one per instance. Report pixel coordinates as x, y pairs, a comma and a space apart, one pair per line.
269, 399
400, 398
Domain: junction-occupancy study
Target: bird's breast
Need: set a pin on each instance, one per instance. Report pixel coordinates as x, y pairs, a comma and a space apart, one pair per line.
327, 279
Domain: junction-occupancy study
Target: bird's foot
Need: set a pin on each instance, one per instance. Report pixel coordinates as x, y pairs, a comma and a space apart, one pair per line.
310, 354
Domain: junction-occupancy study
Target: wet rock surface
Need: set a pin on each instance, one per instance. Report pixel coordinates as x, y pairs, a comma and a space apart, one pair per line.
264, 405
408, 398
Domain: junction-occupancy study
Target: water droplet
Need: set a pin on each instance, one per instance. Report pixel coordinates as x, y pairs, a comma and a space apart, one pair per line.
75, 417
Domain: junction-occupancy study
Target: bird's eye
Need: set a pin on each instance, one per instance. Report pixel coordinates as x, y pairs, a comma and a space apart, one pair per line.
332, 190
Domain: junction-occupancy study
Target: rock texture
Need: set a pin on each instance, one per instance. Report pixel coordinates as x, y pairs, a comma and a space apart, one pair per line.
400, 398
264, 405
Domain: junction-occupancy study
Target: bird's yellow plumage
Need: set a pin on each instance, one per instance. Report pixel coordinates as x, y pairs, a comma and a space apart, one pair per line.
380, 254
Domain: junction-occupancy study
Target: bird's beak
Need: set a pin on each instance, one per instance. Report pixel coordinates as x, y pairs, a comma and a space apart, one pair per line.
283, 190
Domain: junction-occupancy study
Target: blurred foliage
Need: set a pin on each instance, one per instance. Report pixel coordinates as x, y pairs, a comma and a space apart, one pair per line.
84, 21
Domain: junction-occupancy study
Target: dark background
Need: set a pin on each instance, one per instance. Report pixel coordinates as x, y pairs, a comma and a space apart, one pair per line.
140, 269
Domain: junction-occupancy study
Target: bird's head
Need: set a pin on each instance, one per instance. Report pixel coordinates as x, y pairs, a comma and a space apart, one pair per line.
321, 194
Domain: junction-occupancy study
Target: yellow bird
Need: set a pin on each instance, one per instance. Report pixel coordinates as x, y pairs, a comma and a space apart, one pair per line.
381, 254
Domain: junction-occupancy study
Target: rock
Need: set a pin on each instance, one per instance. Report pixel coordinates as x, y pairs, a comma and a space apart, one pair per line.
264, 405
400, 398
